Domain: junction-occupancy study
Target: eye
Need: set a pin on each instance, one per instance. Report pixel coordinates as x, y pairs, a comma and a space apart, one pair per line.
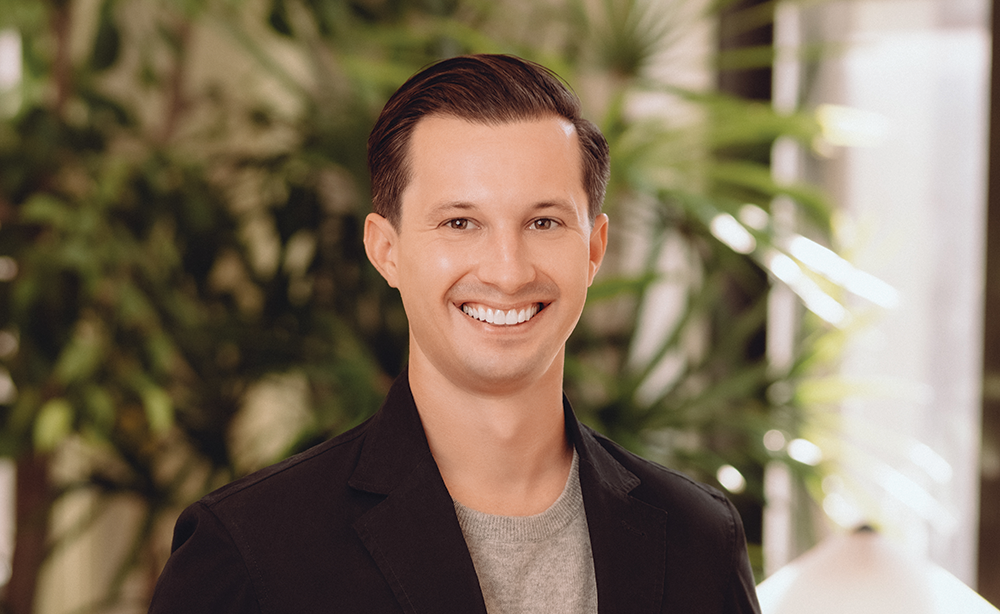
543, 223
459, 223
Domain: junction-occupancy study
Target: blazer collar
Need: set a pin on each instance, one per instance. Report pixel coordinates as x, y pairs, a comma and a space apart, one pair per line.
628, 537
415, 539
413, 533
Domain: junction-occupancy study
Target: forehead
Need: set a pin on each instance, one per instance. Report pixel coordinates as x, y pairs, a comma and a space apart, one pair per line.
456, 159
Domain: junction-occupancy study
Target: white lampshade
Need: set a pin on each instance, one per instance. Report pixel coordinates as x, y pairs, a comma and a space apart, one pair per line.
862, 573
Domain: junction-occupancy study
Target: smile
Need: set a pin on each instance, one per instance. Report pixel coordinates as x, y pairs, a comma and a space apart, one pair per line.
499, 317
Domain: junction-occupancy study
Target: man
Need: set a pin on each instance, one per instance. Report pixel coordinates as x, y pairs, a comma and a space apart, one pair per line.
474, 488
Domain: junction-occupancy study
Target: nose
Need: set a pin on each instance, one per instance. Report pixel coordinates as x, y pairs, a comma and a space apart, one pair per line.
505, 261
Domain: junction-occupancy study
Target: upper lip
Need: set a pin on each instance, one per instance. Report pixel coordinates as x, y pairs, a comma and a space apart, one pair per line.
494, 307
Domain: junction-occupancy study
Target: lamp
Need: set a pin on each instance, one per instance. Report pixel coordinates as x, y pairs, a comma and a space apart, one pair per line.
862, 573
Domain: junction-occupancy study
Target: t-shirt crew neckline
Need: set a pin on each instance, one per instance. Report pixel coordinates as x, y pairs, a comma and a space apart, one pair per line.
534, 528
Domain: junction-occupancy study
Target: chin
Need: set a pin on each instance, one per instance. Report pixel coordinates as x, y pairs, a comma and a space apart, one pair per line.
500, 376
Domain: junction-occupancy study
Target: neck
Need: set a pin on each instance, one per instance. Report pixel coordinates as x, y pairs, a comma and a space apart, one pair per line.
500, 453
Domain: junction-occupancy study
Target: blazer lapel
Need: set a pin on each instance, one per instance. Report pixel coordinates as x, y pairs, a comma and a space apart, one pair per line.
413, 534
628, 537
414, 537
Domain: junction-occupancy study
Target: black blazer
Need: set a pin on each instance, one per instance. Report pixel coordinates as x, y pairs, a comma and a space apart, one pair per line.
364, 523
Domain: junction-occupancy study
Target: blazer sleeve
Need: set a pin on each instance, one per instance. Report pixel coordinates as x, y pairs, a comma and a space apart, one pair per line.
743, 590
206, 573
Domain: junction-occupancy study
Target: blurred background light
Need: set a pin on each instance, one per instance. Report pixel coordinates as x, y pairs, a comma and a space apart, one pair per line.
851, 127
815, 299
10, 71
8, 344
754, 217
727, 229
930, 461
838, 270
731, 479
10, 59
774, 440
8, 268
805, 452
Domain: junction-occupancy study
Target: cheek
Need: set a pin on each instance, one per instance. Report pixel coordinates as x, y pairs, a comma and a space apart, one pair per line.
570, 264
429, 270
443, 261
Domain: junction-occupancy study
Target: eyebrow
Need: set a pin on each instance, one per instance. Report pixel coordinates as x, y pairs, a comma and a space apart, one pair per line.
560, 206
448, 208
459, 205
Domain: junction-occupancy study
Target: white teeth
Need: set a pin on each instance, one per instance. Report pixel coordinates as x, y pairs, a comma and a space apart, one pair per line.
499, 317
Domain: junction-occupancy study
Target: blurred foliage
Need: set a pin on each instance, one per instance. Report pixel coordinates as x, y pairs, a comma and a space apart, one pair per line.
182, 191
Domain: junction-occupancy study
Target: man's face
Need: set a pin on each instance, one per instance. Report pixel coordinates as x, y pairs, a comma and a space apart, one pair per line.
494, 251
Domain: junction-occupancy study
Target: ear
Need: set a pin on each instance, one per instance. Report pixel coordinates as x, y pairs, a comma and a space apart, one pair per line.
598, 245
380, 245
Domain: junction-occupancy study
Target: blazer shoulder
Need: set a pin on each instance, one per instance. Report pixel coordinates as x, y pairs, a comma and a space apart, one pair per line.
706, 564
322, 462
669, 489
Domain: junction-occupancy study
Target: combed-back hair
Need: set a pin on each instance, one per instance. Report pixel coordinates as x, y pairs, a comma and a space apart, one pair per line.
487, 89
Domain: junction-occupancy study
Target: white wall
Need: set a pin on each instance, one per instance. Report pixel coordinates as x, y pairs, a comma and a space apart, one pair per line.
914, 198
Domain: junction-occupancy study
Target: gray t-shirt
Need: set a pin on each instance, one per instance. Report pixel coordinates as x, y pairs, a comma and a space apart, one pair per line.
541, 563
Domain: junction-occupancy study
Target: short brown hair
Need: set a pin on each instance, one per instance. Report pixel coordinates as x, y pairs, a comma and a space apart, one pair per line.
489, 89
